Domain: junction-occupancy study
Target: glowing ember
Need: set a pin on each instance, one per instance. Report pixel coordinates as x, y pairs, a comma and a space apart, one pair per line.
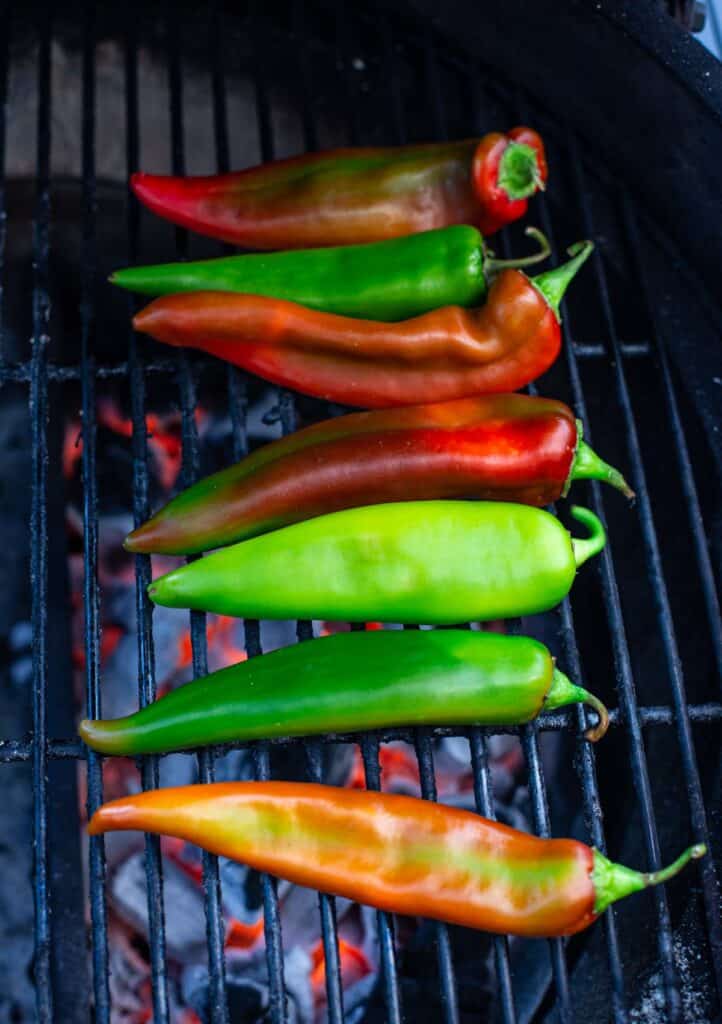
354, 967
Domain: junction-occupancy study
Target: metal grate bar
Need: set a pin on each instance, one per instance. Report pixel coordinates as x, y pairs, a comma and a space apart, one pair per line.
6, 9
659, 587
704, 714
433, 85
91, 596
218, 1003
449, 1000
385, 922
627, 693
141, 511
21, 372
305, 75
629, 709
681, 449
423, 745
39, 527
585, 764
327, 907
304, 630
397, 109
271, 916
347, 84
540, 807
540, 812
586, 759
485, 806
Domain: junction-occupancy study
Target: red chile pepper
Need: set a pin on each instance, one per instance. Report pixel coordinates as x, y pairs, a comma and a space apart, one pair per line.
499, 447
442, 355
346, 196
397, 853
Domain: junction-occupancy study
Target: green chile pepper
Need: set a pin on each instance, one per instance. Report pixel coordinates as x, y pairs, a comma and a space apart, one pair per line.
350, 682
392, 280
431, 562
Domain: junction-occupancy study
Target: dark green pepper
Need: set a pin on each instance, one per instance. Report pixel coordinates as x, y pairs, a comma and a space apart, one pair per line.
392, 280
350, 682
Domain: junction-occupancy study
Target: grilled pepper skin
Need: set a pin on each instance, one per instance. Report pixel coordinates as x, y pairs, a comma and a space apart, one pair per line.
349, 682
429, 562
350, 196
499, 447
446, 354
397, 853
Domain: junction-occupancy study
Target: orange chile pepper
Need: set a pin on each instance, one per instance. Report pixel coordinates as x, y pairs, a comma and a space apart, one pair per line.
397, 853
347, 196
442, 355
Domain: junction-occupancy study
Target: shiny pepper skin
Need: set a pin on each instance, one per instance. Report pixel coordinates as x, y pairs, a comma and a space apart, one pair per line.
349, 196
498, 447
413, 562
446, 354
353, 681
397, 853
390, 280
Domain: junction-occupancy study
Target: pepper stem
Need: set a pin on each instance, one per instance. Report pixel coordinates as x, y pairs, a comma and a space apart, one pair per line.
554, 283
491, 263
519, 175
588, 466
586, 547
563, 692
614, 881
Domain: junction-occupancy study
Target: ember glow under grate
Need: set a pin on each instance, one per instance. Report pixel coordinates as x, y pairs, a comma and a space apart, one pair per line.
316, 82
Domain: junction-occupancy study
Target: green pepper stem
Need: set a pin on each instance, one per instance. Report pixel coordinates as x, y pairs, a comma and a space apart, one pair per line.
563, 692
491, 264
554, 283
612, 881
519, 175
587, 465
587, 547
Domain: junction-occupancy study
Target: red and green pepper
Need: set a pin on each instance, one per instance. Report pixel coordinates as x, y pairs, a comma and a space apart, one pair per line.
439, 562
446, 354
349, 196
499, 447
397, 853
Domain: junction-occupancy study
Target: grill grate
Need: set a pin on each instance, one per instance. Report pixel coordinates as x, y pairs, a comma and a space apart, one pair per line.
39, 374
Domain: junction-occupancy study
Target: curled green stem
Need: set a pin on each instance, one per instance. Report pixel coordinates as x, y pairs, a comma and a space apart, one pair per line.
491, 264
563, 692
614, 881
586, 547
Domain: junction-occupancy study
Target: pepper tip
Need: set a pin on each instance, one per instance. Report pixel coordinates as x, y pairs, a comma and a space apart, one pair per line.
130, 543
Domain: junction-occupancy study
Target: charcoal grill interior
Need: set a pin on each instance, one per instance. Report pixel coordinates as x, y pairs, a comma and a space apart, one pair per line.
642, 627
